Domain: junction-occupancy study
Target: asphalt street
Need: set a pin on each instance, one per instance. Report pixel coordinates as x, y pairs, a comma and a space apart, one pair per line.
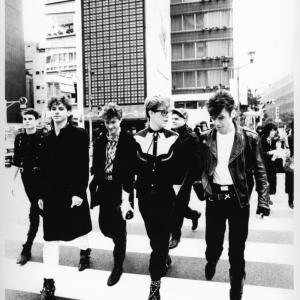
270, 255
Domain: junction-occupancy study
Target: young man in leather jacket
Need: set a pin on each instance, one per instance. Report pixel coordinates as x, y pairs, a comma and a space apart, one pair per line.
231, 158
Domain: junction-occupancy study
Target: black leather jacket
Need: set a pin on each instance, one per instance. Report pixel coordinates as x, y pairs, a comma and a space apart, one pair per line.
244, 163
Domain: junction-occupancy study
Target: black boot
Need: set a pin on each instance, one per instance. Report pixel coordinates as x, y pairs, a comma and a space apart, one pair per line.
236, 285
210, 270
195, 219
84, 261
25, 255
47, 293
114, 276
154, 290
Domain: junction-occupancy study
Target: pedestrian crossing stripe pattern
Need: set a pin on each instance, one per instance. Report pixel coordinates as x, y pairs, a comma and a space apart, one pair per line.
269, 255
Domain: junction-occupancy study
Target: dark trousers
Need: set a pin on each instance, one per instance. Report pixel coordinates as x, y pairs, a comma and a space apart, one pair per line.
217, 212
156, 210
31, 182
289, 185
111, 222
182, 210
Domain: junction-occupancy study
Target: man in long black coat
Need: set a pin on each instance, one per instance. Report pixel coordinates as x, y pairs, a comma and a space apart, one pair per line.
188, 166
113, 170
65, 175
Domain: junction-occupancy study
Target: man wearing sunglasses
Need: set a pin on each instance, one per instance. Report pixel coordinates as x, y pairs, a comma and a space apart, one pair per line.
156, 157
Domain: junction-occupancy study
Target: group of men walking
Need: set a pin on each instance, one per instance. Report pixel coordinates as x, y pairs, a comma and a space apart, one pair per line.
161, 165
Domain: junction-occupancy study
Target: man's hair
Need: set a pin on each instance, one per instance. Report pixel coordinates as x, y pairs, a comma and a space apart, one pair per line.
111, 110
60, 100
154, 102
31, 111
267, 129
218, 101
203, 123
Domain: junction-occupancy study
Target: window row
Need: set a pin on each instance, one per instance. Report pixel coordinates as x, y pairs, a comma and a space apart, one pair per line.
202, 49
201, 20
197, 79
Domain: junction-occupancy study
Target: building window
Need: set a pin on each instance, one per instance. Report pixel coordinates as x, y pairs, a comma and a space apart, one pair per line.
37, 72
199, 21
219, 48
216, 77
37, 87
189, 50
177, 80
189, 79
176, 23
201, 78
218, 19
176, 51
200, 49
188, 22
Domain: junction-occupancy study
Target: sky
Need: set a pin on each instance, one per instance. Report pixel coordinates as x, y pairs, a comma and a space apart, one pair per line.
264, 26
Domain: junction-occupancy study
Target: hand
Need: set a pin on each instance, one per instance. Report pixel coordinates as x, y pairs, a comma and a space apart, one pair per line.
198, 188
41, 204
125, 208
176, 188
76, 201
263, 211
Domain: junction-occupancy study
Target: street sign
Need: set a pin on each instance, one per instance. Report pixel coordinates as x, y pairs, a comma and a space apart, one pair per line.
23, 102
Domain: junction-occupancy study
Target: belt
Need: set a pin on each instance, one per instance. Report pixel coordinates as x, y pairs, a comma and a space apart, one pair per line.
222, 192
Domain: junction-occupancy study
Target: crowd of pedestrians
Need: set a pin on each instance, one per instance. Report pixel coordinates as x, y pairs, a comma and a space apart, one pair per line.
161, 166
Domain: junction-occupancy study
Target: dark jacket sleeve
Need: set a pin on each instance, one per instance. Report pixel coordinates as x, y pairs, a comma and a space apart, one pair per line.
196, 169
129, 165
260, 175
81, 176
17, 151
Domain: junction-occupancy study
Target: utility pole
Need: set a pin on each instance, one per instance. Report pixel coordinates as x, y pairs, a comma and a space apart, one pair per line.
90, 104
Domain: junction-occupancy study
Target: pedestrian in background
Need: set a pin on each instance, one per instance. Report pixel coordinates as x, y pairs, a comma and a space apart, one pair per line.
154, 185
231, 156
112, 183
27, 159
188, 167
289, 168
63, 198
268, 144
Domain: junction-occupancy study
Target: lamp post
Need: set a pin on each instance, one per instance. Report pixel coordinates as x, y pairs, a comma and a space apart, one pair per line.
225, 63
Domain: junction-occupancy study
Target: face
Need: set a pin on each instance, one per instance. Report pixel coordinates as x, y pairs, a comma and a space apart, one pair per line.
159, 118
113, 125
177, 121
272, 133
223, 122
59, 113
29, 122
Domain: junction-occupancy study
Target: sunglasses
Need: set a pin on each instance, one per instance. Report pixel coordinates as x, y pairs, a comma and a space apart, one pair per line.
163, 112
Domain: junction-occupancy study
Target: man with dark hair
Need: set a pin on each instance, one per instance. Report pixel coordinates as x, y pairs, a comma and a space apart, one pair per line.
63, 198
27, 155
231, 156
113, 170
188, 167
154, 185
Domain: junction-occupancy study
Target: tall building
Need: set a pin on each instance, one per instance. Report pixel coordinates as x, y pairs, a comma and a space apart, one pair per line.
126, 53
201, 37
15, 82
60, 50
279, 96
35, 60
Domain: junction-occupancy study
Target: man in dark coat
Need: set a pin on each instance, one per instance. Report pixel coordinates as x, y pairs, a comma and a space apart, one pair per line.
27, 159
156, 160
113, 170
188, 167
65, 175
231, 157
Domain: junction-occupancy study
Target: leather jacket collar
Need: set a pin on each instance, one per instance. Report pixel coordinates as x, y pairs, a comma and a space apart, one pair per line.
237, 147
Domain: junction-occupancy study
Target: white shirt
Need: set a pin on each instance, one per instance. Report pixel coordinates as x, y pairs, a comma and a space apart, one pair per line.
224, 146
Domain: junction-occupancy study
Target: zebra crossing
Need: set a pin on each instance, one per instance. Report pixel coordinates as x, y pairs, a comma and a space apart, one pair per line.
270, 254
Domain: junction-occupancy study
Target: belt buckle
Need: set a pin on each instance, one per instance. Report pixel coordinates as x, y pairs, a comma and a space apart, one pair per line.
224, 188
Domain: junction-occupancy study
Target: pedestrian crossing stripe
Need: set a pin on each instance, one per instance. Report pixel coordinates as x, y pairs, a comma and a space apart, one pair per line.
91, 284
